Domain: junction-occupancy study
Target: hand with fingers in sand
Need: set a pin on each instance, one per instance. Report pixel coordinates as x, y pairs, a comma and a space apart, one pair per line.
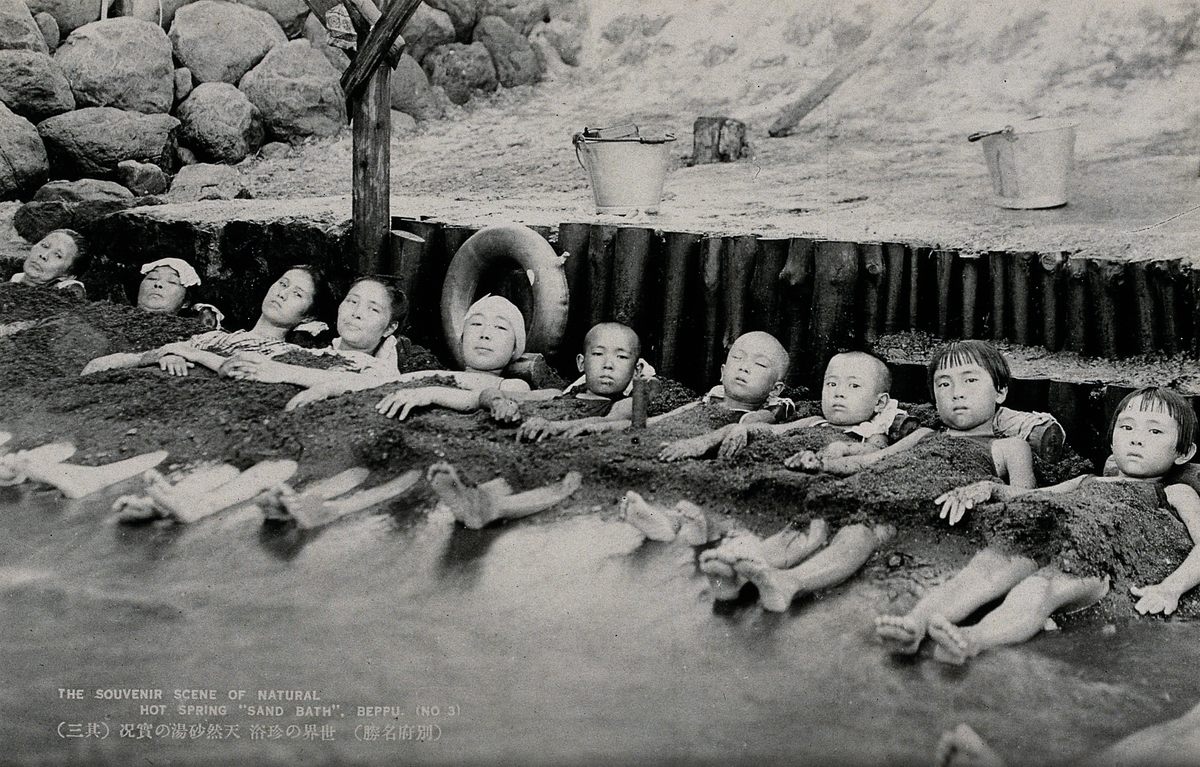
175, 364
400, 403
253, 367
954, 504
1155, 599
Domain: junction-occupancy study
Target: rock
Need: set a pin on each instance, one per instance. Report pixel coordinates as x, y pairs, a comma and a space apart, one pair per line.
219, 123
23, 162
91, 141
49, 29
403, 122
70, 14
463, 15
33, 86
427, 29
142, 178
289, 14
565, 38
521, 15
220, 41
411, 91
274, 150
461, 69
17, 28
183, 83
297, 92
516, 61
186, 156
158, 12
122, 62
206, 182
318, 37
70, 205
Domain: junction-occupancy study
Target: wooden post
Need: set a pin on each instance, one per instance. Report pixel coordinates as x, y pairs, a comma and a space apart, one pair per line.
631, 255
683, 255
1076, 335
836, 279
718, 139
1194, 294
739, 267
1145, 328
970, 294
573, 243
894, 253
371, 120
766, 292
945, 291
999, 278
796, 280
1048, 287
1020, 274
1104, 282
711, 263
1164, 281
600, 264
873, 278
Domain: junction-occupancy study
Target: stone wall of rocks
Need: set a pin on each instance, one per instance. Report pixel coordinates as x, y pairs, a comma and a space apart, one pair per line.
160, 95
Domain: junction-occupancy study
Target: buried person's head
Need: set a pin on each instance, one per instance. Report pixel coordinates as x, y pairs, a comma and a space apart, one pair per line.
1153, 431
754, 368
372, 310
969, 380
854, 389
493, 335
609, 359
294, 298
58, 255
164, 287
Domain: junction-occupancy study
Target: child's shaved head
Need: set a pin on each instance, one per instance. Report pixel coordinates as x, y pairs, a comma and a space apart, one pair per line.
754, 367
868, 362
613, 332
854, 389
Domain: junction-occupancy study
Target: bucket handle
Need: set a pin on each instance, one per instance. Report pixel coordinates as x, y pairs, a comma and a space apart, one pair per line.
624, 131
1007, 130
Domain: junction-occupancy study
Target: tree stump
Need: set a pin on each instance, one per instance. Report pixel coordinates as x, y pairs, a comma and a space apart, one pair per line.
718, 139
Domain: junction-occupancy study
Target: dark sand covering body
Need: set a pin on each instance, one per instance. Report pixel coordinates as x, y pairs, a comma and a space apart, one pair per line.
1114, 528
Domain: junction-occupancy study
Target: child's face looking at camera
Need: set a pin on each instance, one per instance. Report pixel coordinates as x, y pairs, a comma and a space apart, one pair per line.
51, 257
609, 360
488, 341
965, 394
852, 390
161, 291
1145, 441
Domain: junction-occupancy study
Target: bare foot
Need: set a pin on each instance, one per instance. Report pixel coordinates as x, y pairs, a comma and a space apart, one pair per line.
693, 524
902, 634
789, 547
953, 644
654, 522
468, 505
962, 747
774, 591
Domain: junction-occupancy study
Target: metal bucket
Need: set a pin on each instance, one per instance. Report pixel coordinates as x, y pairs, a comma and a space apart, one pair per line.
627, 169
1030, 162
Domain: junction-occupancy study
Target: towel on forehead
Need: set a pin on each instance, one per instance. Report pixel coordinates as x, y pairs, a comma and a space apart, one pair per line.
187, 275
499, 306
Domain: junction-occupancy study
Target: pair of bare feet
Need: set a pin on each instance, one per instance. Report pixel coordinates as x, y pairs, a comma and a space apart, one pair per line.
684, 521
487, 502
903, 634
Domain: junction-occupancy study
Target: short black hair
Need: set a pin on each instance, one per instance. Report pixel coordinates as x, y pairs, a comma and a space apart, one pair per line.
395, 294
1162, 398
984, 354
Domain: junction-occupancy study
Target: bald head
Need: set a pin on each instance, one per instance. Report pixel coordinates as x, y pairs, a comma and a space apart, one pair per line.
613, 334
854, 389
871, 368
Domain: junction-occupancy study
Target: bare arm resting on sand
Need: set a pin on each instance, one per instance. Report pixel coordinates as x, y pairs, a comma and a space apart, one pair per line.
1164, 597
957, 502
256, 367
173, 358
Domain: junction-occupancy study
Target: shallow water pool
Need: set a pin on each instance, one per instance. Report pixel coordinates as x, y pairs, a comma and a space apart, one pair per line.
556, 641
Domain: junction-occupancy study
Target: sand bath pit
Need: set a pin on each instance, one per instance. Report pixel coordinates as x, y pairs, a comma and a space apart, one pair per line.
549, 638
